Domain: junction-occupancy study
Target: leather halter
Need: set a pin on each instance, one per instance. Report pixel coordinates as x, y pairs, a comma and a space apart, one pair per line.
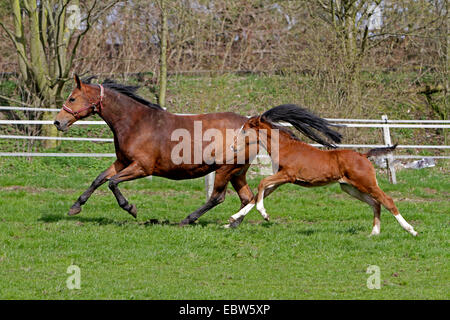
98, 104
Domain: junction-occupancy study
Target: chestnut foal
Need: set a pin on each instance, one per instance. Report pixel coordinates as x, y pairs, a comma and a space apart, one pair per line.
305, 165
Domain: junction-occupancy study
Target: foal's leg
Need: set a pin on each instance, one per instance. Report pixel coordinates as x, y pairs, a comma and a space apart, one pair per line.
217, 196
268, 184
367, 183
364, 197
245, 194
101, 179
133, 171
388, 203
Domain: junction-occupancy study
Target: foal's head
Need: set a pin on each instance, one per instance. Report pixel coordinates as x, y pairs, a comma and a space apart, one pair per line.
81, 103
254, 131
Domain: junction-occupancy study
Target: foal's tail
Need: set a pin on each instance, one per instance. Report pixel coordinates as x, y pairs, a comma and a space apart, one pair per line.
304, 121
380, 151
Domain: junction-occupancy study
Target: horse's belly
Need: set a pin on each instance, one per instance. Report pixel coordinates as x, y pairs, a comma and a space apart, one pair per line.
317, 176
183, 172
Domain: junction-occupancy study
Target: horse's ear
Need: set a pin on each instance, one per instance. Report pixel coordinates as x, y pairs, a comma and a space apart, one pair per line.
77, 80
254, 121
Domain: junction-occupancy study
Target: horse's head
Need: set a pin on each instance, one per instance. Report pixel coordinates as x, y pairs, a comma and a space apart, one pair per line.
80, 104
247, 134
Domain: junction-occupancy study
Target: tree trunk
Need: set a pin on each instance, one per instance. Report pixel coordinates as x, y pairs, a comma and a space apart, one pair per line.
163, 55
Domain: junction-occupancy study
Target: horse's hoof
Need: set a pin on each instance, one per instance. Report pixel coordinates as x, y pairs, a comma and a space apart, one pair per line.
234, 223
74, 210
184, 223
133, 211
267, 218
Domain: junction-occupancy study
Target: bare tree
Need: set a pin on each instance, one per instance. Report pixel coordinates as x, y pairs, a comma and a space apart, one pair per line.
46, 36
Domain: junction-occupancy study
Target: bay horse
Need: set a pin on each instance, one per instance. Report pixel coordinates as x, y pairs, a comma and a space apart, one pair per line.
308, 166
143, 142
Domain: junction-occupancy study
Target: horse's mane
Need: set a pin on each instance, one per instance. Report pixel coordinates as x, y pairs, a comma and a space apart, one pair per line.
290, 133
129, 91
304, 121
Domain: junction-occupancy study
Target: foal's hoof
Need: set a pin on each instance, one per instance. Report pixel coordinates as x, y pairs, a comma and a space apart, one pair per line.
267, 217
133, 211
74, 210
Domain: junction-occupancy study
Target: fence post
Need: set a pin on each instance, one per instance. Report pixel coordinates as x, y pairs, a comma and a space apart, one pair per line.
389, 158
209, 184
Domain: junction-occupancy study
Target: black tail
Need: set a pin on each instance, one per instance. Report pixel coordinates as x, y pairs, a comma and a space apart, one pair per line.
304, 121
380, 151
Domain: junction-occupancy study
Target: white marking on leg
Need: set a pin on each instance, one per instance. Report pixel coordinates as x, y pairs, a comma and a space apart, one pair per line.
375, 230
243, 211
405, 225
260, 207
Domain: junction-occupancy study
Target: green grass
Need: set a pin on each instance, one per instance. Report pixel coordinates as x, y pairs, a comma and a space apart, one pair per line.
316, 247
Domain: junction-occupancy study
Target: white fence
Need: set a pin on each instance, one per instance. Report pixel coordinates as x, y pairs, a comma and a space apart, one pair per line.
383, 123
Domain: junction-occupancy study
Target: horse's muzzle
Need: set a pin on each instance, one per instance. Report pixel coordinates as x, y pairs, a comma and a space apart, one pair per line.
60, 126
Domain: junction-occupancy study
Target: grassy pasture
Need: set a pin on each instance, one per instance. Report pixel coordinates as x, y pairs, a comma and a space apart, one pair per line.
315, 247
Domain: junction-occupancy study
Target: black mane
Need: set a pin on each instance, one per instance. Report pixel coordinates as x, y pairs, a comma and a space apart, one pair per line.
304, 121
127, 90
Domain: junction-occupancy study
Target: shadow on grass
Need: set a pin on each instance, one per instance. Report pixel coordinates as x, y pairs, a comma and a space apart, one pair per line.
51, 218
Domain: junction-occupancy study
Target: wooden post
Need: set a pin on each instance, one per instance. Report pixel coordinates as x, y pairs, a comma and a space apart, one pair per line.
389, 158
209, 184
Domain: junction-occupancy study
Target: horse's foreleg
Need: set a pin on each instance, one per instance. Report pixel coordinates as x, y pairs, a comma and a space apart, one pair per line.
133, 171
217, 197
101, 179
240, 184
267, 186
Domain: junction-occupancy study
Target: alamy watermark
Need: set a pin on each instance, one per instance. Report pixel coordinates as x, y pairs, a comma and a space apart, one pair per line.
74, 280
211, 146
374, 281
73, 20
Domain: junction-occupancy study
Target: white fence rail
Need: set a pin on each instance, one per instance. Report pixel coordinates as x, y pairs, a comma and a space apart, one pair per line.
383, 123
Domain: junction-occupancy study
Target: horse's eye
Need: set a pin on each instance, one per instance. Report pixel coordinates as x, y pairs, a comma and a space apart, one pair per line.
72, 99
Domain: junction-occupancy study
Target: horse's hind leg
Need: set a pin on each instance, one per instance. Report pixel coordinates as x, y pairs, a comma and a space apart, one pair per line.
101, 179
364, 197
367, 183
217, 196
388, 203
133, 171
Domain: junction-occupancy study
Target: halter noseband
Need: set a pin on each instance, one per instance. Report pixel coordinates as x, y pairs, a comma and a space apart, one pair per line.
98, 104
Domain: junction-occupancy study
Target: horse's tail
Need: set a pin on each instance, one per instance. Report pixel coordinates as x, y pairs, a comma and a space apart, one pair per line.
304, 121
380, 151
